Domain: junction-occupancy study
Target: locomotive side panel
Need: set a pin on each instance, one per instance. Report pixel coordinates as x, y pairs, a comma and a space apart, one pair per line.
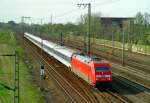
81, 69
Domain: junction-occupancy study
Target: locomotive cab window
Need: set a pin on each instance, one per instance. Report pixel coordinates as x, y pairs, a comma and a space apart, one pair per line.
102, 69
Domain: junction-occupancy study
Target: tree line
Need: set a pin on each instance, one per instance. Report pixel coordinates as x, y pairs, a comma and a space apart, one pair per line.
137, 33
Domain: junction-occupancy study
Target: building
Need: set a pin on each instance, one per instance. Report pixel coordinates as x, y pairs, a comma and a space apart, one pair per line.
118, 21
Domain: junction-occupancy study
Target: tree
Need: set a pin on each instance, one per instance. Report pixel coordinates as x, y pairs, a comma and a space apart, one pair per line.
11, 23
139, 19
146, 19
95, 24
148, 39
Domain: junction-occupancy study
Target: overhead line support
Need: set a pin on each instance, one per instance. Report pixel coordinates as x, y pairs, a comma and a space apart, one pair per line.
89, 26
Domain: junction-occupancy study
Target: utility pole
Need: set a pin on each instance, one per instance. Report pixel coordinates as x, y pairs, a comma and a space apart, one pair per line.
23, 18
41, 37
41, 22
123, 47
51, 24
51, 19
112, 32
89, 26
42, 71
16, 91
22, 24
130, 31
61, 39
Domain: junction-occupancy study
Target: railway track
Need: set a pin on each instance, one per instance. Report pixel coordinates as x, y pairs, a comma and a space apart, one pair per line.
142, 73
112, 97
140, 70
142, 67
70, 91
131, 84
108, 46
122, 99
133, 71
65, 86
76, 96
140, 92
129, 60
134, 68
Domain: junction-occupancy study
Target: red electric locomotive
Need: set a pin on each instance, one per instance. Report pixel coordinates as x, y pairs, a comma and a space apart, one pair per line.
92, 70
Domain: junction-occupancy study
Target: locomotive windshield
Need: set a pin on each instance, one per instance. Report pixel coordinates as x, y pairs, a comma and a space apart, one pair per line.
102, 69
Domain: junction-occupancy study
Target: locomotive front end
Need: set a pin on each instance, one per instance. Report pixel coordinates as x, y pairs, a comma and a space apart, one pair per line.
103, 72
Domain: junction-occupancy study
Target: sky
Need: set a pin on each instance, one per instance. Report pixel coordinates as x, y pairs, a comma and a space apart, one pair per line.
64, 11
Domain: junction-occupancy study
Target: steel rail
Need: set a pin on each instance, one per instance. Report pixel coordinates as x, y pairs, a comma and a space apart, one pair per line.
132, 84
132, 71
63, 80
109, 92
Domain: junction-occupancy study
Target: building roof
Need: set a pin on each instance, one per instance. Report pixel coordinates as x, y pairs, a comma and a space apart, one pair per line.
109, 21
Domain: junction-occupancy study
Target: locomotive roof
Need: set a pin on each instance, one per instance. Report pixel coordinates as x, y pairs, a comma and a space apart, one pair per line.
87, 59
83, 57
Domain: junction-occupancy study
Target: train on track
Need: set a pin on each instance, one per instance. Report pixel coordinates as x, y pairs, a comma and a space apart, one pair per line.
94, 71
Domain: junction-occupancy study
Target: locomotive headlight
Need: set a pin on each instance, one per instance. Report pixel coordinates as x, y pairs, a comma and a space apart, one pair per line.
107, 76
97, 76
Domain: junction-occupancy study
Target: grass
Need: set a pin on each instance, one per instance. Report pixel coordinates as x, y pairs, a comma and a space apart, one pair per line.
144, 59
145, 48
29, 92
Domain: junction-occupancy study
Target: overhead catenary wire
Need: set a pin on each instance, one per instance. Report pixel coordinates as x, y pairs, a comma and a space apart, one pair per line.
105, 3
65, 13
55, 17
